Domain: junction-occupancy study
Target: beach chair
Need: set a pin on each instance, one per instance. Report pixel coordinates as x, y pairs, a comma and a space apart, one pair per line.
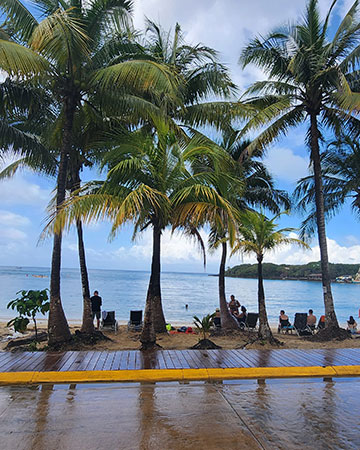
217, 322
135, 323
251, 321
301, 326
285, 326
321, 324
108, 321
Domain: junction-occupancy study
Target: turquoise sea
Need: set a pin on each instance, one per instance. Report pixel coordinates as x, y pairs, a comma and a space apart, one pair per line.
123, 290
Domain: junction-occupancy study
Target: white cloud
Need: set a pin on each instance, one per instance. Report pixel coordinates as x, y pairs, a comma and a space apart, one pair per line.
8, 218
19, 191
283, 164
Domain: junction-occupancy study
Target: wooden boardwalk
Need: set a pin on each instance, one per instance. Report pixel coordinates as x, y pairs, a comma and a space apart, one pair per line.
135, 365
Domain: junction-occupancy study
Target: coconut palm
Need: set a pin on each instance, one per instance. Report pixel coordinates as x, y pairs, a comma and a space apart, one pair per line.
152, 182
341, 182
307, 83
258, 235
256, 189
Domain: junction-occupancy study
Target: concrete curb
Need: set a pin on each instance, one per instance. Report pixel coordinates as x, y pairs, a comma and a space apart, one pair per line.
154, 375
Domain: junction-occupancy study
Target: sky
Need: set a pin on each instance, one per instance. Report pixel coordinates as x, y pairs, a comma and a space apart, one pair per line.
227, 26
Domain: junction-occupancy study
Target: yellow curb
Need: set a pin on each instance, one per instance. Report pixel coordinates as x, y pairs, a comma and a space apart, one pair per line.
155, 375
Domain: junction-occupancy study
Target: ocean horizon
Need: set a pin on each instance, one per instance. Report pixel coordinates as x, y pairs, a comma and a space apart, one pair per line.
123, 290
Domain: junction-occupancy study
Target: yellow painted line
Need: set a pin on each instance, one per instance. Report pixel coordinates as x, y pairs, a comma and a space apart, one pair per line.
154, 375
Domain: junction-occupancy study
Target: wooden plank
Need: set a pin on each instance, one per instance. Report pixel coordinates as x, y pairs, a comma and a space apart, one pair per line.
116, 360
183, 361
138, 360
67, 364
175, 359
109, 361
241, 356
161, 360
131, 361
124, 360
168, 361
81, 355
212, 362
12, 362
6, 357
21, 362
101, 361
233, 359
86, 360
34, 361
93, 361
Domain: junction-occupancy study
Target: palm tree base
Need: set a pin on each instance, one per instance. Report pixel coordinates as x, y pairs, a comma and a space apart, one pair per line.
205, 344
330, 333
146, 346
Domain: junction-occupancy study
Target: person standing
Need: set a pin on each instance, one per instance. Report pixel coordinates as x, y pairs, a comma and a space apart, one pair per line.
96, 303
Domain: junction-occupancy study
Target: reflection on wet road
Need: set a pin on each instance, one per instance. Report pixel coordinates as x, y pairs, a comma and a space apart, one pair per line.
284, 414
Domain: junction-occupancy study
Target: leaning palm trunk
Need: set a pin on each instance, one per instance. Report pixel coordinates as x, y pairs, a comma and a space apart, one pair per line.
154, 285
148, 336
228, 322
58, 327
87, 325
264, 328
330, 316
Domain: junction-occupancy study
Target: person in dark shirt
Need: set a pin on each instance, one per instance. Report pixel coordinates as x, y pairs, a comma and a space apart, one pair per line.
96, 303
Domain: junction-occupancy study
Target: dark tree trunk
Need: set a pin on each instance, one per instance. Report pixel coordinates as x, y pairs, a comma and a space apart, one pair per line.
330, 316
264, 328
153, 298
228, 322
87, 325
154, 286
58, 328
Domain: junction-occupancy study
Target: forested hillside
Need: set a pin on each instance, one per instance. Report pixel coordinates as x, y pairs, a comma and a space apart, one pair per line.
286, 271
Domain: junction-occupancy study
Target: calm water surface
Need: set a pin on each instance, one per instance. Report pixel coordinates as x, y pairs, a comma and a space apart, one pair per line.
123, 290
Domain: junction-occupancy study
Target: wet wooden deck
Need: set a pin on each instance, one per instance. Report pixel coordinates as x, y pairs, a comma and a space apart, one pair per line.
174, 359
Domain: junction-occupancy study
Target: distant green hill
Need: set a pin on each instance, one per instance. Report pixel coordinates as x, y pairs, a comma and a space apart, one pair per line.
310, 271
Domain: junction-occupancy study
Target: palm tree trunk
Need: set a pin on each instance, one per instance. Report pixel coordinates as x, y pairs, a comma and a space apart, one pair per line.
148, 336
264, 328
58, 328
154, 286
330, 316
87, 325
228, 322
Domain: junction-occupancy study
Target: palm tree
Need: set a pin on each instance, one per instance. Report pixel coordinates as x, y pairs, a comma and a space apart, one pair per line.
256, 188
257, 235
83, 49
151, 182
307, 83
341, 182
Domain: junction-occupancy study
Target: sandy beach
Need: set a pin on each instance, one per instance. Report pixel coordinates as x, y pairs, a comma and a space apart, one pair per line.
129, 340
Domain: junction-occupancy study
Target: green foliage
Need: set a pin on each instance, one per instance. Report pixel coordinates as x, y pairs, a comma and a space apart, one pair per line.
286, 271
28, 304
205, 324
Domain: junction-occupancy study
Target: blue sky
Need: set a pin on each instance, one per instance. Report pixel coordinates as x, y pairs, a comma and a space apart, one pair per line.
225, 26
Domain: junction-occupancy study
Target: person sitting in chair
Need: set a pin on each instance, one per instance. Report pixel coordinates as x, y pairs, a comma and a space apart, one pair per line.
241, 318
311, 319
283, 320
352, 325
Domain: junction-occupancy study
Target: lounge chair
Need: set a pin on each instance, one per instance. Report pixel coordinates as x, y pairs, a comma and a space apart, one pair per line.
251, 321
217, 322
301, 326
321, 324
108, 321
135, 323
285, 326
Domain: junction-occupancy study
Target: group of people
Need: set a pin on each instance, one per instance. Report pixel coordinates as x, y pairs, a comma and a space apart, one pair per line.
311, 321
238, 311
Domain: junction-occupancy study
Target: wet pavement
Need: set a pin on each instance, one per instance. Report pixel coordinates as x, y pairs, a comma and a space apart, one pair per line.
278, 414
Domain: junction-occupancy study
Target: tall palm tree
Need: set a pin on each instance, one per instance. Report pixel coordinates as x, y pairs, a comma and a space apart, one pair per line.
307, 83
83, 49
341, 182
255, 190
152, 182
258, 235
